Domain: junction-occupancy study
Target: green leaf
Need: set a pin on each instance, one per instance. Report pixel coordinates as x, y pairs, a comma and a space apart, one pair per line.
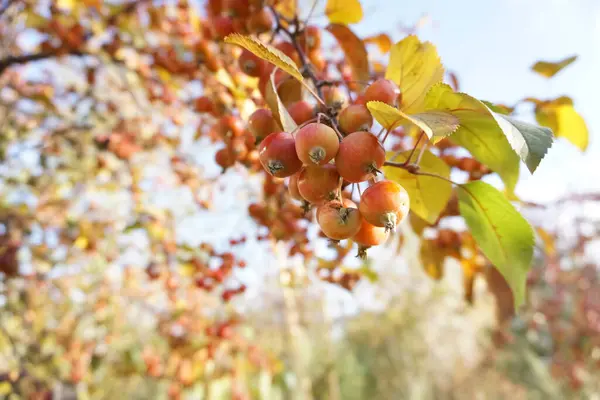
504, 236
531, 142
551, 68
415, 67
428, 195
478, 132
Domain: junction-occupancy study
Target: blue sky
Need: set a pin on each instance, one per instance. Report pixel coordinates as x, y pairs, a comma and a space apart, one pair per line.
492, 45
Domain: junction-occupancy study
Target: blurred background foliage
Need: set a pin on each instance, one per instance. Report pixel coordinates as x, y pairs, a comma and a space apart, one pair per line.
131, 268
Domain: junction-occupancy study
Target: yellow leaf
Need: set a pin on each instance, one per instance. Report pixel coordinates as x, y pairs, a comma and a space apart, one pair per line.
354, 50
287, 8
223, 77
387, 116
432, 259
415, 67
435, 124
66, 5
549, 68
560, 116
281, 114
344, 11
382, 41
428, 195
266, 52
81, 242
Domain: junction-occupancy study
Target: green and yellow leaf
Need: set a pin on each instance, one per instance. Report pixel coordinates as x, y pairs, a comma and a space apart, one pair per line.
415, 67
504, 236
266, 52
428, 195
551, 68
344, 11
432, 259
478, 132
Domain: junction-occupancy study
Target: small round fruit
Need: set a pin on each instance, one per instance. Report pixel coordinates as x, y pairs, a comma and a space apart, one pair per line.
368, 235
316, 144
301, 111
310, 39
224, 158
261, 123
260, 21
277, 154
251, 64
222, 26
355, 117
360, 156
382, 90
205, 105
237, 8
293, 187
338, 222
318, 183
334, 97
384, 204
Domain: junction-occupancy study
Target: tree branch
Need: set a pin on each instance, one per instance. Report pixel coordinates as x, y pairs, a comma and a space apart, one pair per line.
26, 58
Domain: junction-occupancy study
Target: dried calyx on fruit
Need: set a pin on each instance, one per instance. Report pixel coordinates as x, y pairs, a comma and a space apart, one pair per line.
277, 153
384, 204
359, 157
316, 143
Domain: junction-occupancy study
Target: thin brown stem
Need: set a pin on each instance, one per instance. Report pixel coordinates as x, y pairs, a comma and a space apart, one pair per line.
412, 152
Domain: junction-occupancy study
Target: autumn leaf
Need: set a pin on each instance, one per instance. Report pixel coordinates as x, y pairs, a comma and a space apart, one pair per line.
344, 11
432, 259
387, 116
548, 68
428, 195
415, 67
383, 42
560, 116
354, 50
281, 114
504, 236
287, 8
266, 52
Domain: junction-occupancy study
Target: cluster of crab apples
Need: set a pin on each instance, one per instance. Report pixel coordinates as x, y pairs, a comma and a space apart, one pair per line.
321, 159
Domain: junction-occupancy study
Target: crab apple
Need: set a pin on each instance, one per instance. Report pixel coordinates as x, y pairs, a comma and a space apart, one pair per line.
382, 90
214, 7
222, 26
334, 97
360, 156
262, 123
317, 59
293, 187
237, 8
289, 50
355, 117
205, 105
301, 111
230, 126
278, 156
251, 64
337, 221
368, 235
208, 56
310, 39
260, 21
318, 183
238, 148
384, 204
224, 158
316, 143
